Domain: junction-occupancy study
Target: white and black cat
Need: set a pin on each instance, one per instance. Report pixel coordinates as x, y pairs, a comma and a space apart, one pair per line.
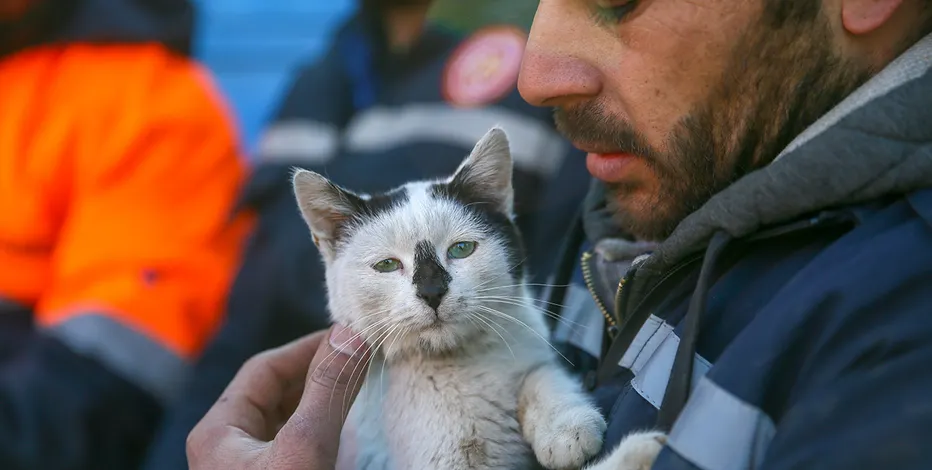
430, 275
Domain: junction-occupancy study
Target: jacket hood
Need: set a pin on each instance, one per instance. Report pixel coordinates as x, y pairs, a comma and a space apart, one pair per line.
875, 143
170, 22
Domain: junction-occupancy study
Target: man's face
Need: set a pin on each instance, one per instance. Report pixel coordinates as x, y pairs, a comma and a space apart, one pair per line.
675, 99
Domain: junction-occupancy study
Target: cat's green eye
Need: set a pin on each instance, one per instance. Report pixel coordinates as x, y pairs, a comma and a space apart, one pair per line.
461, 250
387, 265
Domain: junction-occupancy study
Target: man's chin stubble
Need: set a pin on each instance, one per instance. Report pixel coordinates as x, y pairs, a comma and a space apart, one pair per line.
644, 220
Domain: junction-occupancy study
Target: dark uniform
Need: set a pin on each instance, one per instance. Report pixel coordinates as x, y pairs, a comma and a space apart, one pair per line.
371, 119
794, 309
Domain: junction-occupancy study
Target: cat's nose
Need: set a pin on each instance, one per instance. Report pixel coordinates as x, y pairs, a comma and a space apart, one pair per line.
432, 293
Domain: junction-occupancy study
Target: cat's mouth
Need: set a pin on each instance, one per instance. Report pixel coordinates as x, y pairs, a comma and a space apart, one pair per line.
434, 323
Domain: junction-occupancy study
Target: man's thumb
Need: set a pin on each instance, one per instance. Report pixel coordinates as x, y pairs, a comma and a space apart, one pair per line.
338, 366
334, 378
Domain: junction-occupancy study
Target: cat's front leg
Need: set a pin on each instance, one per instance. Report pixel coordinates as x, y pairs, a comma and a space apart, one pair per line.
563, 427
637, 451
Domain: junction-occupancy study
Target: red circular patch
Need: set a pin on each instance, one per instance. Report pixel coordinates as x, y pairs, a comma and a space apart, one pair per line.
485, 67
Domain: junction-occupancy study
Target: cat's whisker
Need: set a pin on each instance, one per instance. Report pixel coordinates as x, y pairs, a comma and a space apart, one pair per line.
382, 373
516, 301
535, 303
362, 370
520, 302
504, 328
333, 354
523, 300
352, 324
476, 203
470, 317
486, 321
381, 334
508, 317
527, 284
327, 361
346, 408
343, 408
486, 282
373, 356
519, 263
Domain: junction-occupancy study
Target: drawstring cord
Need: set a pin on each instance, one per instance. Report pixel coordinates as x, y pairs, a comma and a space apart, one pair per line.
680, 383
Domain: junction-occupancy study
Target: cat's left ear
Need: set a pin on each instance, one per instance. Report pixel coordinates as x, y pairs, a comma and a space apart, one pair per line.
487, 170
326, 208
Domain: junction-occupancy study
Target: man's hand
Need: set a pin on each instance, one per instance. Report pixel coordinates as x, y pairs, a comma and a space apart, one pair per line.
285, 408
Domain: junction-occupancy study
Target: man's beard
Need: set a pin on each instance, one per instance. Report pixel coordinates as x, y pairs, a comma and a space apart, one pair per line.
777, 82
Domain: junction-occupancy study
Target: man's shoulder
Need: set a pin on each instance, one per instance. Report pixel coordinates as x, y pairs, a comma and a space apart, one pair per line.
867, 288
883, 255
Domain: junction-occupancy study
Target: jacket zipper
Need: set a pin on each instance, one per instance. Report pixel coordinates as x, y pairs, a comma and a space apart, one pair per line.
613, 355
612, 327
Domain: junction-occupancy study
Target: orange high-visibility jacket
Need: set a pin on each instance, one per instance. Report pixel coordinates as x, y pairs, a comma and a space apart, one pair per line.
119, 167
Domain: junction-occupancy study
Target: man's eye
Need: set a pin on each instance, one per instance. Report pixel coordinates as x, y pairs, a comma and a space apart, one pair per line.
616, 11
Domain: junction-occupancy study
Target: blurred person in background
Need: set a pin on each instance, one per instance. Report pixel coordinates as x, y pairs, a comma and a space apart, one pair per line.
119, 170
395, 98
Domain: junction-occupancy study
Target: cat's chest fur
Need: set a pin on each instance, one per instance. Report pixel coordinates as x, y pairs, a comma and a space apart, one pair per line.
448, 413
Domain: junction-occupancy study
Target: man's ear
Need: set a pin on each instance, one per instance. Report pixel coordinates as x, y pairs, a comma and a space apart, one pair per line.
326, 208
486, 172
866, 16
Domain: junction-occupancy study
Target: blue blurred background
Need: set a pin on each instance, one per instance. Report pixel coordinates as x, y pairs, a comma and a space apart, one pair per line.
253, 46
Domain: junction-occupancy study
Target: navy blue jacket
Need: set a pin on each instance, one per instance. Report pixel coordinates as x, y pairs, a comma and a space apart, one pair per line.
60, 409
788, 322
370, 119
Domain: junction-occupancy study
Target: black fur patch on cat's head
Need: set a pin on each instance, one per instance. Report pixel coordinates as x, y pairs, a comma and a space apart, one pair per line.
485, 211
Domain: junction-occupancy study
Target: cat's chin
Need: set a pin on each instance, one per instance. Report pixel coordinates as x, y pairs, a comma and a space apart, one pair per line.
434, 339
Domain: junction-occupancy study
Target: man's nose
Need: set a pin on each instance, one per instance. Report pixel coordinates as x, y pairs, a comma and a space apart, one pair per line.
554, 71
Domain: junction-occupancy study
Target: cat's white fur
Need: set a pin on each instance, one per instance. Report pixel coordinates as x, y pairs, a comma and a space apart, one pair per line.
472, 385
637, 451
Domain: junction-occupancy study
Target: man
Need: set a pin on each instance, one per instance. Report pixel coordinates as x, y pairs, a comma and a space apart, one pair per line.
779, 152
119, 170
396, 98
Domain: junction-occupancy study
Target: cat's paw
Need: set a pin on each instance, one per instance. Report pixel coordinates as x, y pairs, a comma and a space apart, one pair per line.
635, 452
570, 438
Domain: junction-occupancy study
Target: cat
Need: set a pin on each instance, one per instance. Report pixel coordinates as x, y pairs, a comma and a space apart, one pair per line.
430, 275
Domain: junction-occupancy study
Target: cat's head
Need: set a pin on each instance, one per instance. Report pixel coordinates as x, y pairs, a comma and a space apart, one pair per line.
417, 264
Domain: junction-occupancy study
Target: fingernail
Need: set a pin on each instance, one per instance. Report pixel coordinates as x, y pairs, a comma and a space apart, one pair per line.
346, 340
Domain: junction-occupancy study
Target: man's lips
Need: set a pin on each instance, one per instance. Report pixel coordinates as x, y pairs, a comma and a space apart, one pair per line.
608, 167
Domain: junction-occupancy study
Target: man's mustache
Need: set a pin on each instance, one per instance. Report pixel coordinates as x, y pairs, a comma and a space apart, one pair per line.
592, 129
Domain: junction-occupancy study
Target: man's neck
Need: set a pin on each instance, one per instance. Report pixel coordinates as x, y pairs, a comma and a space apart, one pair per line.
404, 25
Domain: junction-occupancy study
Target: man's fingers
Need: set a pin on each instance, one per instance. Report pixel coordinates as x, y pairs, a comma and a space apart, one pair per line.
333, 381
255, 396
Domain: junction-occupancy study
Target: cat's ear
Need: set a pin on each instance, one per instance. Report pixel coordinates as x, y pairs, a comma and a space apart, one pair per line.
325, 207
486, 172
